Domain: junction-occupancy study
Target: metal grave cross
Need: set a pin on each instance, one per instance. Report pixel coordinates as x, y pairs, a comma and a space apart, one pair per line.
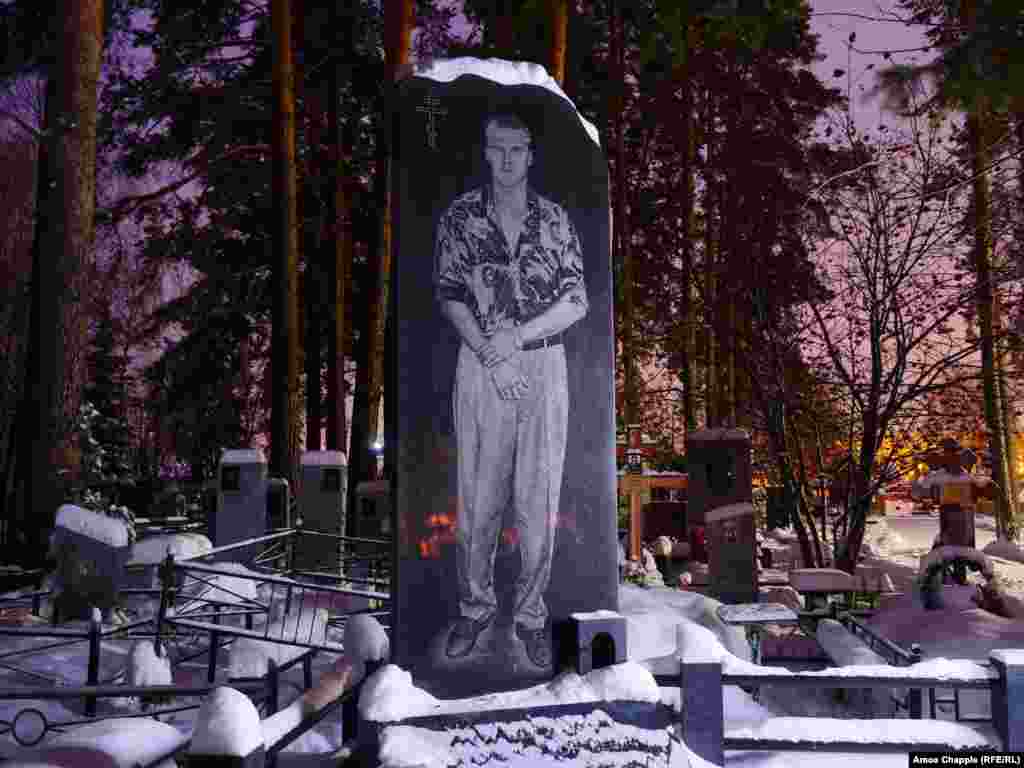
432, 109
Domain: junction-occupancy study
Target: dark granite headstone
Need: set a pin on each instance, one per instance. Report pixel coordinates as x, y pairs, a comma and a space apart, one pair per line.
449, 246
91, 550
720, 492
321, 497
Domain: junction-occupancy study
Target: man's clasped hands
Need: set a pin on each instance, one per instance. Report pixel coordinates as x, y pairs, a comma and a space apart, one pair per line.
496, 354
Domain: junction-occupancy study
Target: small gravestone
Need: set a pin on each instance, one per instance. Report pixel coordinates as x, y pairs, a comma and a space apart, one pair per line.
322, 508
249, 504
241, 511
505, 431
720, 491
91, 551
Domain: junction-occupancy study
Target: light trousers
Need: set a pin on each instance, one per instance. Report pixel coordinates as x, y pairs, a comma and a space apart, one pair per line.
509, 450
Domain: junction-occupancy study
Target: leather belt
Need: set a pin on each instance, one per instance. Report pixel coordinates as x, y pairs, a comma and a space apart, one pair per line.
549, 341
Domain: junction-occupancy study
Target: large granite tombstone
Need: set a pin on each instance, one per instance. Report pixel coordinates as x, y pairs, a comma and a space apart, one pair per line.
504, 493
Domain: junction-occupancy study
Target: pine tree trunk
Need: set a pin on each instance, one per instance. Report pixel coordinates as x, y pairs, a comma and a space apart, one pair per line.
61, 248
366, 427
1009, 421
1018, 127
284, 412
311, 115
711, 377
559, 23
981, 253
19, 473
620, 227
687, 329
339, 253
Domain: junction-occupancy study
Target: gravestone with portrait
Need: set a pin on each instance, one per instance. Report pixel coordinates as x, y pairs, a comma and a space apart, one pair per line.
504, 427
720, 490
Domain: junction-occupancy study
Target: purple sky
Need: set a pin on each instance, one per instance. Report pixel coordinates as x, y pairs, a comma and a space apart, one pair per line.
834, 21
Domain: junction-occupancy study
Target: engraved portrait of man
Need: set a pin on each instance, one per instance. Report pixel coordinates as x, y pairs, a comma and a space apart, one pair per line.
509, 277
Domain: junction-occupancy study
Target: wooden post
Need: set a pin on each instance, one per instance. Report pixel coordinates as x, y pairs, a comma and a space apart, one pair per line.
635, 523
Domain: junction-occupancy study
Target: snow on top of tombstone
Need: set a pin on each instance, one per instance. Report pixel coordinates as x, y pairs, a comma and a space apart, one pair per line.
227, 724
603, 613
719, 433
365, 640
503, 72
323, 458
389, 695
242, 456
728, 512
93, 525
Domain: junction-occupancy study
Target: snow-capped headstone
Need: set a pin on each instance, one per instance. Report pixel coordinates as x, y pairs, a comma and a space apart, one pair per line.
91, 550
504, 471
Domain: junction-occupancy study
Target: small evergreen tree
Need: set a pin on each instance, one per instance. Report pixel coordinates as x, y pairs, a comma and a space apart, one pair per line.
106, 390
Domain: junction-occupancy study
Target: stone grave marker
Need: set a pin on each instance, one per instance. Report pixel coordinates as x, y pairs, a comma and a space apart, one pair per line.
720, 491
321, 498
249, 504
504, 491
91, 550
241, 511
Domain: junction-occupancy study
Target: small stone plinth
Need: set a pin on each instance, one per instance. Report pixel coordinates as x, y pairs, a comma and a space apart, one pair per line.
598, 639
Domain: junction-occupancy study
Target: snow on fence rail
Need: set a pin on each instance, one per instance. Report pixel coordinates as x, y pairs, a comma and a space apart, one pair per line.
703, 730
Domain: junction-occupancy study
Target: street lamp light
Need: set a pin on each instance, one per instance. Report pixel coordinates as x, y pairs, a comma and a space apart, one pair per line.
377, 447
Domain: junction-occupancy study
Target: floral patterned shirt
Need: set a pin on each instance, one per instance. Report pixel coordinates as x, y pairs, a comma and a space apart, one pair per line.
475, 264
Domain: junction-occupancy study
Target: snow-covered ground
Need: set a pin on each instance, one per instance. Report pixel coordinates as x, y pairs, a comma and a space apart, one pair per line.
661, 621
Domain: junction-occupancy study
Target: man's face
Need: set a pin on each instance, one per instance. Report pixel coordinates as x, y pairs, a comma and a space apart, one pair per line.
508, 154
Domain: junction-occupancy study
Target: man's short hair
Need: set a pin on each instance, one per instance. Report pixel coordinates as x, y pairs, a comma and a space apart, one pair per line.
509, 121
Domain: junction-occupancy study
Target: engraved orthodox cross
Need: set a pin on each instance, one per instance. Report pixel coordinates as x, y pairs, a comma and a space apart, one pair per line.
432, 108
